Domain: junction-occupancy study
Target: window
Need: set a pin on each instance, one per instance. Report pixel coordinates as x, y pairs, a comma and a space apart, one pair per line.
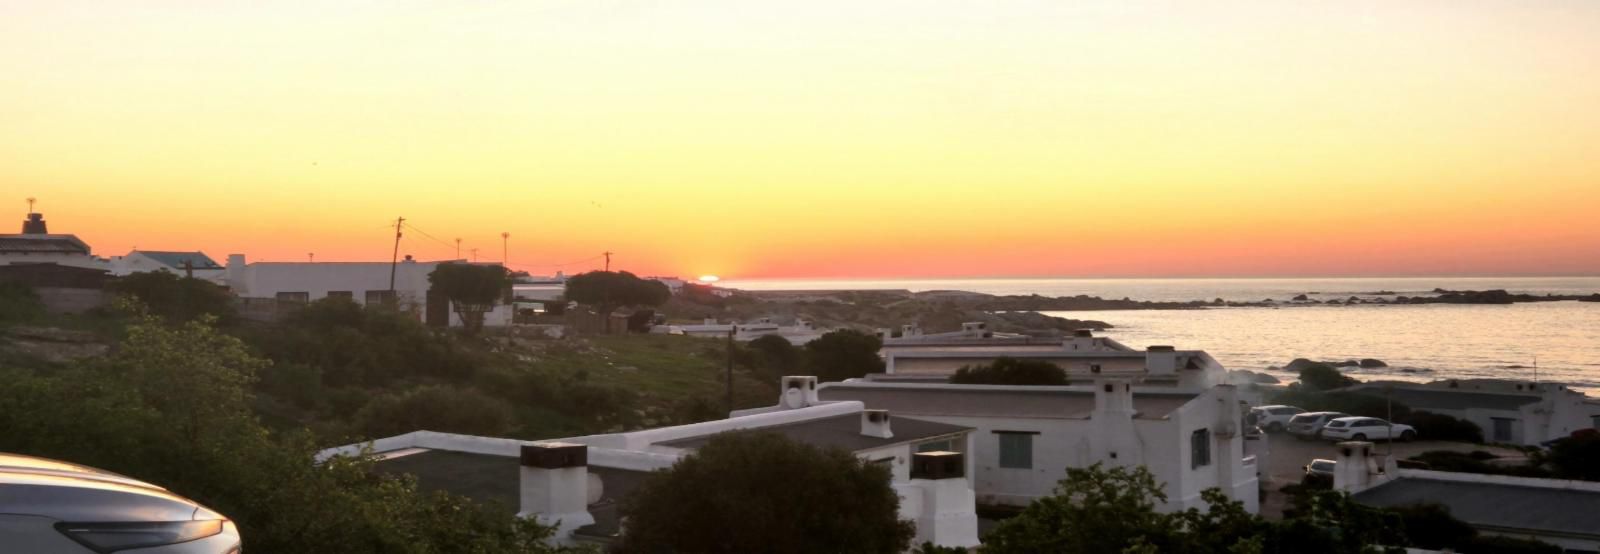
294, 297
341, 294
380, 297
935, 446
1200, 448
1016, 449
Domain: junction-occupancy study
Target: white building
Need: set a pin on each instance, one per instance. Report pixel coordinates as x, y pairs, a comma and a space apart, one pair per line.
363, 282
1555, 511
1516, 412
800, 333
1023, 436
195, 264
578, 481
1083, 356
36, 245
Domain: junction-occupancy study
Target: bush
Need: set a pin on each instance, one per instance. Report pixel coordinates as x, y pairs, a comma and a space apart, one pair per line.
434, 408
1576, 457
774, 353
1011, 371
1432, 426
18, 303
355, 346
843, 354
724, 498
176, 298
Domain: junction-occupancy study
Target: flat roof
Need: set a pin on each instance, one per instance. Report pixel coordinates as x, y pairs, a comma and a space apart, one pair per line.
843, 431
496, 482
1496, 505
1450, 399
994, 401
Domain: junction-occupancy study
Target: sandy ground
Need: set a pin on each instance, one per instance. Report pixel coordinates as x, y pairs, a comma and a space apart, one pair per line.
1288, 457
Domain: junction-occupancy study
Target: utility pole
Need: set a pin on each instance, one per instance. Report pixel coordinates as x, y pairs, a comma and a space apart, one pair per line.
188, 269
608, 260
311, 257
474, 255
730, 369
394, 262
458, 249
505, 256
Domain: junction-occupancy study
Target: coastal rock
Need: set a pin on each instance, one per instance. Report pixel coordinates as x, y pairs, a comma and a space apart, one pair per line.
1372, 363
1301, 298
1299, 364
1245, 376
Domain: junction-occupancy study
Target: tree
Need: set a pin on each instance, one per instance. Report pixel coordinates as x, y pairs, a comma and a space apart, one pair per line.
472, 290
606, 291
18, 303
843, 354
761, 492
1093, 510
773, 352
1324, 377
1011, 371
176, 298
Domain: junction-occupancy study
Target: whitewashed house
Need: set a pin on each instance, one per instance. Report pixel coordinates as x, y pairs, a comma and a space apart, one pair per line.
37, 245
1515, 412
366, 283
190, 264
1083, 356
1025, 436
800, 333
578, 481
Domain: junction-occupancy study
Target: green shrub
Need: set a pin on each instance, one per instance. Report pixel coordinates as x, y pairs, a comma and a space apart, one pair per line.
1011, 371
434, 408
19, 304
1432, 426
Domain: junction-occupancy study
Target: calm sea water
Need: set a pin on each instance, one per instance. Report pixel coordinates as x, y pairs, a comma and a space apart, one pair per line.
1420, 342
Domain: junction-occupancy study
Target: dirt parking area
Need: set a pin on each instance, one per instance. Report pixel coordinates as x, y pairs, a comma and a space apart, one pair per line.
1287, 457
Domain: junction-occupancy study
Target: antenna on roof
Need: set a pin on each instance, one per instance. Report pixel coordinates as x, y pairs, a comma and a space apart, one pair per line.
31, 200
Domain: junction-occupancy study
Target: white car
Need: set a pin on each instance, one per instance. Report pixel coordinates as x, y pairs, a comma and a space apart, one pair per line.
1274, 418
1309, 425
52, 507
1366, 429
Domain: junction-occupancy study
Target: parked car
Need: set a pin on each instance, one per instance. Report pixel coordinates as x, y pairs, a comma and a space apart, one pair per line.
54, 507
1321, 468
1274, 418
1367, 428
1309, 425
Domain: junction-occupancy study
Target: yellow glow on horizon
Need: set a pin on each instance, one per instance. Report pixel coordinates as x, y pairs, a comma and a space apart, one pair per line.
815, 139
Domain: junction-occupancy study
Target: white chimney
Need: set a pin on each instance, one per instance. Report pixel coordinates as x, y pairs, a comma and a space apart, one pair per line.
910, 330
884, 333
1082, 339
946, 514
234, 272
555, 486
799, 391
1161, 360
1356, 468
875, 423
1113, 440
973, 328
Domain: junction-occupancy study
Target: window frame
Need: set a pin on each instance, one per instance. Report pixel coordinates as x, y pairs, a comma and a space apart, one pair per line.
1016, 460
1199, 448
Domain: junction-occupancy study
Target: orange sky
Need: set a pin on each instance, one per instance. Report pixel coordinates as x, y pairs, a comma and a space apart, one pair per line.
820, 138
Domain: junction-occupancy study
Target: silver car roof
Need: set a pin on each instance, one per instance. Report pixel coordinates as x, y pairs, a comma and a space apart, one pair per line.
72, 492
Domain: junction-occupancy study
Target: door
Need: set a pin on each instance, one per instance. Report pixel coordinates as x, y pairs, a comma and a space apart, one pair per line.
1502, 429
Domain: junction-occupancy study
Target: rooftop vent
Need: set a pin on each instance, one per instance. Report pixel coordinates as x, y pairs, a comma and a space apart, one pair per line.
35, 225
875, 423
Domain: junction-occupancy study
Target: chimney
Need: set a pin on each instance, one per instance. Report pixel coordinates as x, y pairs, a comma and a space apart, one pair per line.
555, 486
1161, 360
875, 423
234, 274
946, 515
1114, 440
973, 328
884, 333
799, 391
1082, 339
910, 331
35, 225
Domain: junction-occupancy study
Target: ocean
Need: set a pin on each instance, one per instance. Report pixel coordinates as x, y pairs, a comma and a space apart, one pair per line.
1550, 341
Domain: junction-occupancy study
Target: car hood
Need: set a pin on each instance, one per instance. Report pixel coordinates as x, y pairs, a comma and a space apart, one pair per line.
71, 492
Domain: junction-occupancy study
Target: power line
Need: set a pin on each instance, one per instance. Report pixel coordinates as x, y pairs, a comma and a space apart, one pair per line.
430, 237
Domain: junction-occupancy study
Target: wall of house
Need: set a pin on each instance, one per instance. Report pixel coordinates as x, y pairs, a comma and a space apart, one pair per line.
266, 280
61, 300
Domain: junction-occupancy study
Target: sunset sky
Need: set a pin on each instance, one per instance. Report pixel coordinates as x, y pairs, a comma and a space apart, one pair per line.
819, 138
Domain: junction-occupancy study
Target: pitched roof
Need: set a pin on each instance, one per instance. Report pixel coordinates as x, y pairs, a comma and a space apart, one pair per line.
843, 431
994, 401
175, 260
1496, 505
42, 244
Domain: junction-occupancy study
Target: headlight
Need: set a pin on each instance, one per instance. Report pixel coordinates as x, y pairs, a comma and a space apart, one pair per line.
111, 537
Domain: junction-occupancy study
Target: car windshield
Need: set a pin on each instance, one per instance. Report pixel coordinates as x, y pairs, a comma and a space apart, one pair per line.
1301, 419
1322, 465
